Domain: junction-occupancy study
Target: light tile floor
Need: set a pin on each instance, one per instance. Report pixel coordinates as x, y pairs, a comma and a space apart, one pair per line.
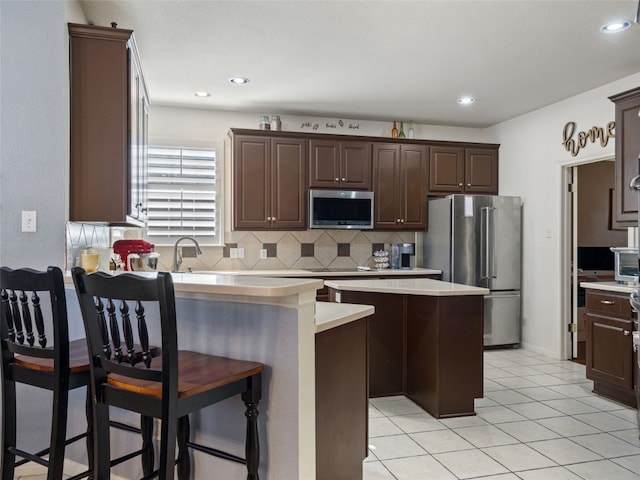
538, 420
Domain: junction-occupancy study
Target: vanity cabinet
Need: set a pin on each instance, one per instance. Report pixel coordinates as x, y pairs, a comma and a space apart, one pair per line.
269, 184
627, 105
109, 119
611, 362
400, 180
463, 170
339, 164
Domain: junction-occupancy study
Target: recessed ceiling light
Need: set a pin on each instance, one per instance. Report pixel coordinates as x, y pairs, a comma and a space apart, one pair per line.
615, 27
239, 80
466, 100
202, 94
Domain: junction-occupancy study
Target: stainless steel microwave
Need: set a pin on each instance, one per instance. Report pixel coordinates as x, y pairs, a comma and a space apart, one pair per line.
626, 264
344, 209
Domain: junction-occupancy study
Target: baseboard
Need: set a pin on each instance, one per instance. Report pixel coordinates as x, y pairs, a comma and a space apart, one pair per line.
33, 471
541, 351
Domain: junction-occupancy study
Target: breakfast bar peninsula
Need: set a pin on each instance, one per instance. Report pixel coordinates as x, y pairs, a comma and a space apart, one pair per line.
425, 340
274, 321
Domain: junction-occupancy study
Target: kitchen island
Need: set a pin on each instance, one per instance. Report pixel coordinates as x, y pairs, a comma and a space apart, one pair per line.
425, 340
274, 321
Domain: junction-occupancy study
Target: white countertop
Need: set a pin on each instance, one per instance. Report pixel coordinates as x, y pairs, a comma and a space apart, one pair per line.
325, 273
238, 285
330, 315
610, 286
408, 286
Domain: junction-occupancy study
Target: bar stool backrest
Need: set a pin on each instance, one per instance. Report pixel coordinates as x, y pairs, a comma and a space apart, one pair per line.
25, 321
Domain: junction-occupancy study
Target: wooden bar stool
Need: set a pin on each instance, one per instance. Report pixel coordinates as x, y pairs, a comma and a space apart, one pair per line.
169, 386
53, 363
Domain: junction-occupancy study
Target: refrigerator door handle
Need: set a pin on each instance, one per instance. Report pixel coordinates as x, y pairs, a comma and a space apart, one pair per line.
486, 251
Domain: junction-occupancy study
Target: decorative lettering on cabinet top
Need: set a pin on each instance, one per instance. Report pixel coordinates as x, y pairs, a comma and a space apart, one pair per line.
573, 145
338, 124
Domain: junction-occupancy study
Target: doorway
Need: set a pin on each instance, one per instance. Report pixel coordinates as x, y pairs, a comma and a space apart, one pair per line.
590, 230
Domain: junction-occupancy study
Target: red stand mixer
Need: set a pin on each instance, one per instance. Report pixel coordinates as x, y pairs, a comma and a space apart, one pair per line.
137, 255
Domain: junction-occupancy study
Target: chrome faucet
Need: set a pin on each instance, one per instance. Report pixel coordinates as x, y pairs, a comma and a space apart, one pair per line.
177, 256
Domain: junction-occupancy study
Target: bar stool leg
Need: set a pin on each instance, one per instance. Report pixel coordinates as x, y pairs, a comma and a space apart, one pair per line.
184, 462
89, 439
58, 431
251, 397
8, 428
146, 427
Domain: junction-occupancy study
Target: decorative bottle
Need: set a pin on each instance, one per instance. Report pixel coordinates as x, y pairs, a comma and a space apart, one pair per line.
401, 133
410, 132
394, 131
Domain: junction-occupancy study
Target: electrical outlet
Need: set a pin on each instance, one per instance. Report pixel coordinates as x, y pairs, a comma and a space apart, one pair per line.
263, 253
29, 221
233, 253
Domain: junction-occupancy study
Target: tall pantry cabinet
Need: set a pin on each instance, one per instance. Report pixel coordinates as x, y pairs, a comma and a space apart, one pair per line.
109, 118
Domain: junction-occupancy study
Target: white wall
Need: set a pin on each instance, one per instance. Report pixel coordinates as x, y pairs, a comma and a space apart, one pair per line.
531, 160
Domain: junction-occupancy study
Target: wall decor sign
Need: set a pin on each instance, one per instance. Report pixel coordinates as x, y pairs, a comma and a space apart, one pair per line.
573, 143
330, 125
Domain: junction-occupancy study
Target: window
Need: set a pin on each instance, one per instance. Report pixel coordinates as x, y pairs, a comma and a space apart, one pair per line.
182, 192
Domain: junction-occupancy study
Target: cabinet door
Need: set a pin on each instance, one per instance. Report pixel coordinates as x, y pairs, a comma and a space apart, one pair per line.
99, 148
446, 170
481, 171
386, 174
252, 182
627, 154
324, 164
413, 187
138, 141
609, 350
288, 186
355, 165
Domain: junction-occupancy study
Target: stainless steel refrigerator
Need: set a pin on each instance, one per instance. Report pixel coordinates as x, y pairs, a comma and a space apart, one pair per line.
476, 240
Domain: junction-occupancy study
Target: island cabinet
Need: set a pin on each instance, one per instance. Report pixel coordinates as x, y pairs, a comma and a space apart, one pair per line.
109, 127
269, 183
341, 401
339, 164
426, 347
400, 180
611, 361
463, 170
627, 105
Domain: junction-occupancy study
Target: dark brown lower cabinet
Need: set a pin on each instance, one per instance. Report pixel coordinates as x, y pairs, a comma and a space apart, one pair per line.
341, 401
426, 347
611, 362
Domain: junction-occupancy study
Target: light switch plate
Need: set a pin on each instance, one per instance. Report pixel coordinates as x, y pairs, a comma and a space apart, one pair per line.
29, 221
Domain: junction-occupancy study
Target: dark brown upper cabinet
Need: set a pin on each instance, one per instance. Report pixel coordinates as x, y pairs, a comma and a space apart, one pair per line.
109, 118
400, 179
627, 154
463, 170
339, 164
269, 183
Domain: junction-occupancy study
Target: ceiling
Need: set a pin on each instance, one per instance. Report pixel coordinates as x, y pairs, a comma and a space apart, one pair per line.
377, 60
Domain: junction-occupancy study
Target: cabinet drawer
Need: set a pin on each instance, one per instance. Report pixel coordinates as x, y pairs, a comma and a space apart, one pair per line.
611, 304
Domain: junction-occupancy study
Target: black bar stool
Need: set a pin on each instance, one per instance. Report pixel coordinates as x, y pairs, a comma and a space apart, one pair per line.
53, 363
169, 386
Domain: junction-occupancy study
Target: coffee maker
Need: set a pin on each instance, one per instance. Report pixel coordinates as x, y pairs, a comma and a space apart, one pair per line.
401, 254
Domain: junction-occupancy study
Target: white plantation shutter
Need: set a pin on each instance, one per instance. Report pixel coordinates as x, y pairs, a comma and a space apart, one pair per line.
181, 193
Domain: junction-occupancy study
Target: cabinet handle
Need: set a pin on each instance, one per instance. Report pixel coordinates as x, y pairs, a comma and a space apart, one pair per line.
607, 302
344, 179
460, 184
626, 333
337, 179
402, 220
468, 184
